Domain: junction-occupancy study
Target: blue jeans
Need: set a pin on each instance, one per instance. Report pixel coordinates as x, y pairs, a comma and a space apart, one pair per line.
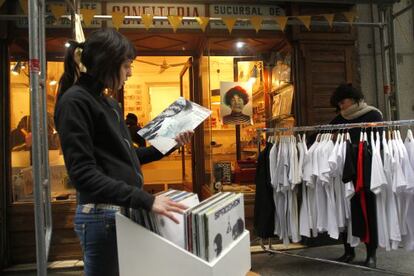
97, 234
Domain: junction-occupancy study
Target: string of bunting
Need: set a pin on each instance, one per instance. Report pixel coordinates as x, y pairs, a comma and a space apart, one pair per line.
176, 22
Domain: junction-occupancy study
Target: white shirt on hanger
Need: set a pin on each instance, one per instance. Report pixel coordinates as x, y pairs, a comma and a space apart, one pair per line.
408, 239
378, 187
304, 219
339, 186
327, 184
310, 181
392, 212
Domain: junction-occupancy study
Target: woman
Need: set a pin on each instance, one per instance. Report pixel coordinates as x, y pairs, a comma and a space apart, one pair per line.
102, 164
352, 108
236, 98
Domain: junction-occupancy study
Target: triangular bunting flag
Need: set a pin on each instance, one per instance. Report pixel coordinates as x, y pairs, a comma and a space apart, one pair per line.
282, 22
350, 16
87, 16
57, 11
2, 2
146, 19
306, 20
330, 18
175, 21
203, 21
117, 19
230, 22
24, 6
256, 22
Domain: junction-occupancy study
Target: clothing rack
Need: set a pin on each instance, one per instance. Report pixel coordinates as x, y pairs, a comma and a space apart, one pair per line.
338, 126
332, 127
269, 248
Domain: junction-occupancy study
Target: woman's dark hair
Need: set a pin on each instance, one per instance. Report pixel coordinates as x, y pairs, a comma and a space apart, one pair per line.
345, 91
103, 53
237, 90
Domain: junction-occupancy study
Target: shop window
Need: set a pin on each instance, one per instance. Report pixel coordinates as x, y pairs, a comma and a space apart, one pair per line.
263, 99
20, 135
237, 102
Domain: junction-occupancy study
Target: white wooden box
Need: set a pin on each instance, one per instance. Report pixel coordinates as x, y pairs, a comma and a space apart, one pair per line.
142, 252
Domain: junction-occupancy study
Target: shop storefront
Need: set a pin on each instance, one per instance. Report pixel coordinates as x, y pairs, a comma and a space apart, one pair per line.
287, 75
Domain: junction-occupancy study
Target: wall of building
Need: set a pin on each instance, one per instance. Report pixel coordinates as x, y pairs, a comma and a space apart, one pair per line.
404, 33
370, 59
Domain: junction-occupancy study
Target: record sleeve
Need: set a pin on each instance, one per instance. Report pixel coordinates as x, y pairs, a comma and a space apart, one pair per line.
171, 230
223, 223
182, 115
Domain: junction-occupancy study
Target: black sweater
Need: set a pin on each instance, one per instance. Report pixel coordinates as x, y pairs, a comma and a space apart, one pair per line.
371, 116
101, 162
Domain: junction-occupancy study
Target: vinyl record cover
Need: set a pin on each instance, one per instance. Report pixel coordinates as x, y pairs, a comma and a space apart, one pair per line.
181, 115
188, 221
169, 229
198, 225
224, 223
201, 232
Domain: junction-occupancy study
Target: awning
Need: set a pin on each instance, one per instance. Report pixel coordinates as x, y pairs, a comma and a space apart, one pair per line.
343, 1
287, 1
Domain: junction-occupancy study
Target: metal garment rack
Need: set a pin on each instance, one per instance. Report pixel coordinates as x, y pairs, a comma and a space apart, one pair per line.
331, 127
338, 126
271, 250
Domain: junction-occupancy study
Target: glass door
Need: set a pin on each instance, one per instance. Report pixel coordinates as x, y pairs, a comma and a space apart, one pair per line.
186, 91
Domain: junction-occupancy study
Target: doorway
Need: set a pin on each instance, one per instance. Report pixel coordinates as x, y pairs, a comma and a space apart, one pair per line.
156, 82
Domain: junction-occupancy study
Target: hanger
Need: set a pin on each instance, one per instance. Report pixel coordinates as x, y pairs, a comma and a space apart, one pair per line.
365, 135
298, 137
389, 133
409, 134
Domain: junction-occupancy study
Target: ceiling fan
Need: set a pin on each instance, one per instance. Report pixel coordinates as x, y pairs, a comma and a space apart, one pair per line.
163, 66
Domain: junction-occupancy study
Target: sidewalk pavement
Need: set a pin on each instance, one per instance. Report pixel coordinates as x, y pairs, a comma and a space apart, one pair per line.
398, 262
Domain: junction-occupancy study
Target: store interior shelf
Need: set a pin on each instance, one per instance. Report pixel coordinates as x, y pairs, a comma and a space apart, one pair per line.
223, 129
280, 117
280, 89
258, 94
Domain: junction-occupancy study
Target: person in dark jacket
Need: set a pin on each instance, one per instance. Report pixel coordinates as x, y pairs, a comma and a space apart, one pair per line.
133, 126
352, 108
101, 162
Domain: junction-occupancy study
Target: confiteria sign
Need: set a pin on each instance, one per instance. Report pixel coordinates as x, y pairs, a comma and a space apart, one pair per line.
165, 9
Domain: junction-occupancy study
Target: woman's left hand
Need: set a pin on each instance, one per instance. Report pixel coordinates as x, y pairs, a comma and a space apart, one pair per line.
184, 138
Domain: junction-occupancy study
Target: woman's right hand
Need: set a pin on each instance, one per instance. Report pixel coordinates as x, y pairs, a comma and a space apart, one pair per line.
165, 206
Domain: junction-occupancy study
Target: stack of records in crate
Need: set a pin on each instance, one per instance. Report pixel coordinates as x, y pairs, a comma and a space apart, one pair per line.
214, 224
206, 229
163, 225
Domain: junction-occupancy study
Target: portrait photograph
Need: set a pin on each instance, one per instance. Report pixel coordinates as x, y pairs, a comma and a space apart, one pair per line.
236, 103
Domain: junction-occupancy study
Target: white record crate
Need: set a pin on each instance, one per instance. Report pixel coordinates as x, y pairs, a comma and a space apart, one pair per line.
142, 252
